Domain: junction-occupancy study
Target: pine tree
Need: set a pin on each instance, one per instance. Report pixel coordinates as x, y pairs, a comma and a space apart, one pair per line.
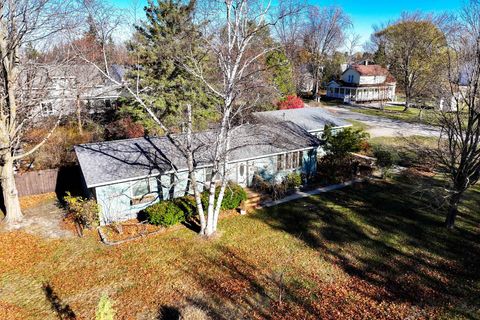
161, 77
281, 73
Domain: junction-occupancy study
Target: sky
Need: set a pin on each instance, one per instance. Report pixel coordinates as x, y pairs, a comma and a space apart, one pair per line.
365, 13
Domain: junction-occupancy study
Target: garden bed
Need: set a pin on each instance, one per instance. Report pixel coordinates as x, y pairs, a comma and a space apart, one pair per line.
127, 231
115, 234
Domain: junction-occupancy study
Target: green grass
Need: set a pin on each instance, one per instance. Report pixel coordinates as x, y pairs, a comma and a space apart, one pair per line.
396, 112
358, 124
375, 250
405, 142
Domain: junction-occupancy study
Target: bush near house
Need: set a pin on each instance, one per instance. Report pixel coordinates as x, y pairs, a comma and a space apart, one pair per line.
386, 158
234, 194
344, 142
291, 102
339, 164
84, 211
278, 190
165, 213
124, 128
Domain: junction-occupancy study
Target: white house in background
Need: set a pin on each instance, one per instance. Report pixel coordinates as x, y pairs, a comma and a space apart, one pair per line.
363, 83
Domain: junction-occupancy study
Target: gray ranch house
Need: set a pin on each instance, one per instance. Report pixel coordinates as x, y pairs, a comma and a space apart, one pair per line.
126, 176
312, 120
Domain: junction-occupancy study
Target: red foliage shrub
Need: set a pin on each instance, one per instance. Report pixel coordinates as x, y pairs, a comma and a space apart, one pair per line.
124, 128
291, 102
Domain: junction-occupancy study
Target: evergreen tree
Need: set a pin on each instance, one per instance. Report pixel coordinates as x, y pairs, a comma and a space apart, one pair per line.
160, 76
281, 73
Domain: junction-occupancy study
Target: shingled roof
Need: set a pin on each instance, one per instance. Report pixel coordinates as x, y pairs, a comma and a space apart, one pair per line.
373, 70
310, 119
122, 160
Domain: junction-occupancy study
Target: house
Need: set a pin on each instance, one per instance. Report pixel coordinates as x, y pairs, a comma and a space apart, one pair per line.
61, 88
126, 176
363, 83
313, 120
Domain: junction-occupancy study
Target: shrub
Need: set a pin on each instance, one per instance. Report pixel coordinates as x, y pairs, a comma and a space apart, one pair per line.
124, 128
293, 180
343, 142
386, 157
187, 205
234, 194
84, 211
105, 309
333, 169
291, 102
277, 190
164, 213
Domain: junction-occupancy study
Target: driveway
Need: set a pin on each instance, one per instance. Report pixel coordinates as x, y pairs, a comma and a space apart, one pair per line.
382, 126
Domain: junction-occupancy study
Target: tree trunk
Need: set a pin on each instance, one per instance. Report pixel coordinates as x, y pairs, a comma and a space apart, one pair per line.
191, 169
452, 210
407, 104
210, 229
13, 212
79, 115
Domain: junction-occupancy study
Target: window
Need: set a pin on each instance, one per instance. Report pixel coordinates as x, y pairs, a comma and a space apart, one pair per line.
242, 170
143, 192
47, 108
208, 174
336, 90
141, 188
289, 161
280, 163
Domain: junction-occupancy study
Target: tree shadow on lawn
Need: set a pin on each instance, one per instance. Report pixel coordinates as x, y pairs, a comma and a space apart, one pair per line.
62, 310
385, 234
236, 286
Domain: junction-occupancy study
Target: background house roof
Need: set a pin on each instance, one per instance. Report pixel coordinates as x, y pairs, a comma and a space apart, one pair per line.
109, 162
310, 119
373, 70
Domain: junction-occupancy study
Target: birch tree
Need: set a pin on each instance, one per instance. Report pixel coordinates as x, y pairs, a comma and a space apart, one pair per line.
230, 36
22, 84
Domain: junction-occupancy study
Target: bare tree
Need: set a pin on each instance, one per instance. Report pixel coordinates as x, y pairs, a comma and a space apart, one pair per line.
352, 42
22, 84
459, 146
324, 34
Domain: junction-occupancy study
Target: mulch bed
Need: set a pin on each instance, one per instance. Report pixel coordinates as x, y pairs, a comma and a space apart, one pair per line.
134, 229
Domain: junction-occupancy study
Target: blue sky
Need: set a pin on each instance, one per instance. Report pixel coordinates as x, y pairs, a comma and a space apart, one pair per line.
366, 13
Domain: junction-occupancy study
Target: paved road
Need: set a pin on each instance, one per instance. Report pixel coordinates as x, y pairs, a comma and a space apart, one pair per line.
382, 126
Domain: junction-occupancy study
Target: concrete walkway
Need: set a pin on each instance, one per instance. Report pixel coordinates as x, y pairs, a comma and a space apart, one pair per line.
300, 194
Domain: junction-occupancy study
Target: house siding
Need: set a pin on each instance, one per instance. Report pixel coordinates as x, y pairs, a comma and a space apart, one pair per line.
116, 204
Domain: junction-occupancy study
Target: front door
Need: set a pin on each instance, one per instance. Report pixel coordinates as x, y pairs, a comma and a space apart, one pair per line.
242, 174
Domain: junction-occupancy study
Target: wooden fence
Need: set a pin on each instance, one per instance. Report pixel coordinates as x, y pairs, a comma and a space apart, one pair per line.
51, 180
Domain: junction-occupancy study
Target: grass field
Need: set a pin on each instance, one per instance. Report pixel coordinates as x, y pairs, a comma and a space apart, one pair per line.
396, 112
376, 250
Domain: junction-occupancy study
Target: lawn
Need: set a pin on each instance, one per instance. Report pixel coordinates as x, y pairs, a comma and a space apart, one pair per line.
376, 250
396, 112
